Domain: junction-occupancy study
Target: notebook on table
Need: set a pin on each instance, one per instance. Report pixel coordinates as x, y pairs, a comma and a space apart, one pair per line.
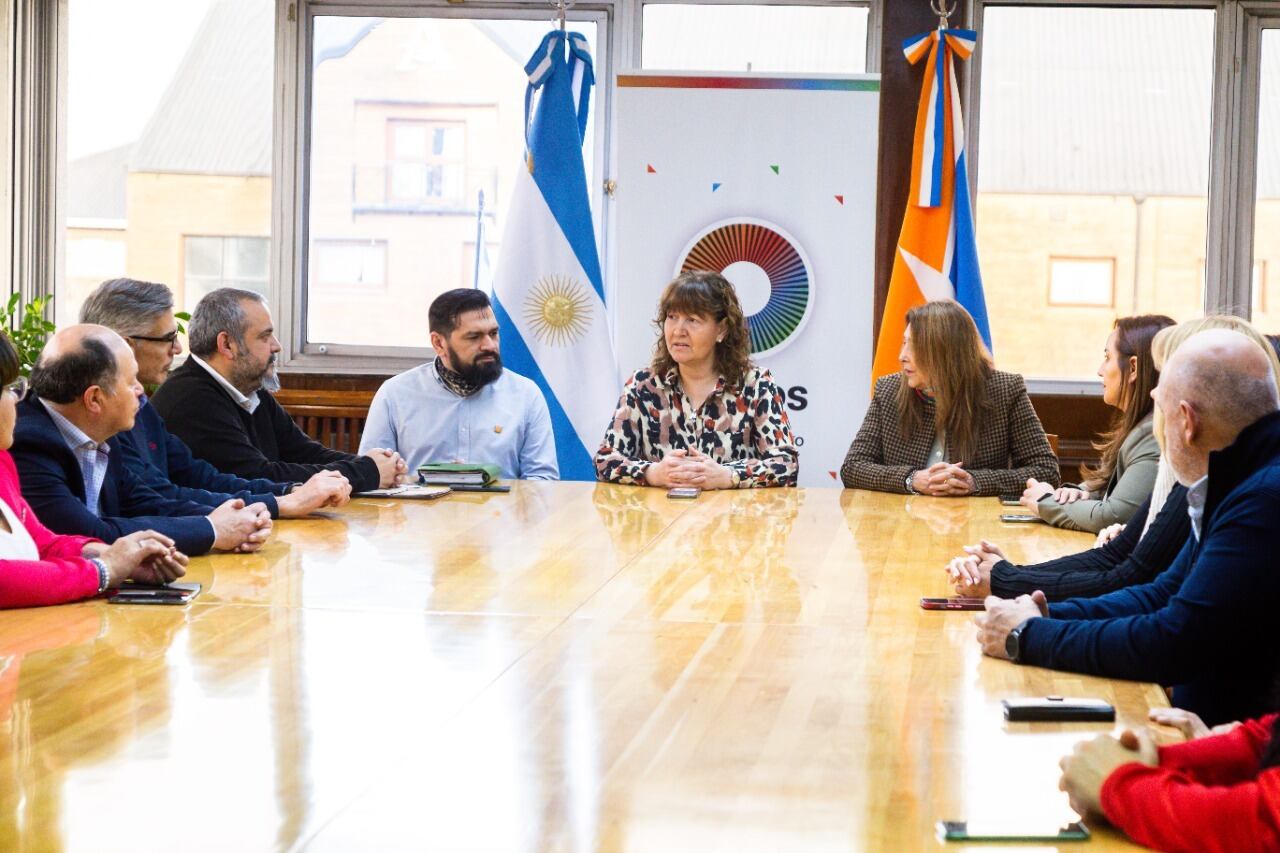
458, 473
412, 491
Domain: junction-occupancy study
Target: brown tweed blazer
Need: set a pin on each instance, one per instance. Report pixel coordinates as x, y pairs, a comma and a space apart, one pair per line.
1011, 443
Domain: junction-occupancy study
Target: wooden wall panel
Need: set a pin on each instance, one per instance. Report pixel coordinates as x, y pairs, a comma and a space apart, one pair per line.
332, 410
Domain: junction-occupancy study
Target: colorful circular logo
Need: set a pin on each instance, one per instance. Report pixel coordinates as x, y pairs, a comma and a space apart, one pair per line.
750, 249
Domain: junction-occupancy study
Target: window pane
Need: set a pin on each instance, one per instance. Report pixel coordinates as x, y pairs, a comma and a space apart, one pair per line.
213, 262
204, 256
1094, 143
169, 111
341, 263
1266, 226
249, 257
412, 118
1082, 281
799, 39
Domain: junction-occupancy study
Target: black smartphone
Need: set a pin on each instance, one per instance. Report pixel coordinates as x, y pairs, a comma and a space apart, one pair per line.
1011, 500
685, 493
963, 830
1018, 518
137, 593
1058, 709
960, 602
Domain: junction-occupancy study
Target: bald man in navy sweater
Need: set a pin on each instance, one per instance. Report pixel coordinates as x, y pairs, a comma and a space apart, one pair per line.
1206, 624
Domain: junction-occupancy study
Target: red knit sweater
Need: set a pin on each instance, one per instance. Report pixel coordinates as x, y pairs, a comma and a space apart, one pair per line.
60, 574
1206, 795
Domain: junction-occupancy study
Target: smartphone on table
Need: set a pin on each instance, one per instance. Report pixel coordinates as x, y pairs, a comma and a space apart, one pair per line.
684, 493
1013, 830
1011, 500
1019, 518
138, 593
1058, 709
959, 602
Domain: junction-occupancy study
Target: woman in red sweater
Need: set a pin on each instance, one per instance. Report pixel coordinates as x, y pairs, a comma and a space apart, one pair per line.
1218, 792
41, 567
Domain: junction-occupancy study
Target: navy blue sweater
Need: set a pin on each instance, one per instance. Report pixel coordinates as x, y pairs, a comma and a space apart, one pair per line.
1206, 625
158, 458
54, 486
1131, 558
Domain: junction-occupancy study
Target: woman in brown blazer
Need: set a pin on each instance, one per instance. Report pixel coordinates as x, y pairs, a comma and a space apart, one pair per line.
949, 424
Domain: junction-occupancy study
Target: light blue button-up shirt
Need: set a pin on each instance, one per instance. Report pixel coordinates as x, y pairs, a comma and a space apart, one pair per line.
505, 423
1197, 494
91, 455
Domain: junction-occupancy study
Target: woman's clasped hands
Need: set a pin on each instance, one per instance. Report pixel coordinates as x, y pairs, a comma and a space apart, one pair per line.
689, 468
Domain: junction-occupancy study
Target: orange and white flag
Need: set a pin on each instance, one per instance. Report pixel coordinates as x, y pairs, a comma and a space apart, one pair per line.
937, 254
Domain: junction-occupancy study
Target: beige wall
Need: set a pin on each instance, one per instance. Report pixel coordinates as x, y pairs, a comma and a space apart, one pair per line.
1018, 235
93, 255
163, 208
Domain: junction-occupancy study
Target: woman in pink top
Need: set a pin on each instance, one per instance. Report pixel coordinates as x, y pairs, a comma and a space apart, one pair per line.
41, 567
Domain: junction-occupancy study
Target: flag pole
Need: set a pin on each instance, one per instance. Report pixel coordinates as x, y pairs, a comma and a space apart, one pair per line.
475, 281
943, 11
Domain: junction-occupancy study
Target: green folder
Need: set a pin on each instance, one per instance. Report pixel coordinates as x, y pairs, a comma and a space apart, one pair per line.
463, 473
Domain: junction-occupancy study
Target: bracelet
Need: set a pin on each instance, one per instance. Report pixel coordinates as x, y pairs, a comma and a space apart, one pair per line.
104, 576
911, 489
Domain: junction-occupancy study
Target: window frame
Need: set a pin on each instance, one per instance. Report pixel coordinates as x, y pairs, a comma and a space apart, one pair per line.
291, 172
38, 54
1233, 148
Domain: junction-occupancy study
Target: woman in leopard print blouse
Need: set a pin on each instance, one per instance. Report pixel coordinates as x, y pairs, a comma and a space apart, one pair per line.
702, 414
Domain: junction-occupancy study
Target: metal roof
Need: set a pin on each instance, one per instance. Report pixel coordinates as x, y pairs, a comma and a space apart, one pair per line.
215, 117
1106, 101
96, 185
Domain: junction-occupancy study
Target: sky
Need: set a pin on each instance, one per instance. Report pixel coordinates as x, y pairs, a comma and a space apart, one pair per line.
121, 56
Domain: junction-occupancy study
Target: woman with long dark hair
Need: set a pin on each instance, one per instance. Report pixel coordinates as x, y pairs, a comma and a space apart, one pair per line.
41, 567
701, 415
949, 424
1114, 489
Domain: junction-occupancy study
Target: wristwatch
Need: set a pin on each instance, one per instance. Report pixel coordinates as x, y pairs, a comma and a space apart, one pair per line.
1013, 642
911, 489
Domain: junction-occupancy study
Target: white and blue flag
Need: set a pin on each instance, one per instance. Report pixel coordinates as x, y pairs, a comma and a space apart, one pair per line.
548, 293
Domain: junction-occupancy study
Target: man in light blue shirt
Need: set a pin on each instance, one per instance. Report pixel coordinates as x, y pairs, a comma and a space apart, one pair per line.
464, 407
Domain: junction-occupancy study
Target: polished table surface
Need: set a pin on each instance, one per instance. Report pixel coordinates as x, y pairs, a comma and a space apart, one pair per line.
570, 666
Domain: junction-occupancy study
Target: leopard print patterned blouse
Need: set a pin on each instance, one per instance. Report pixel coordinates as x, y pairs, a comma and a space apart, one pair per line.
745, 429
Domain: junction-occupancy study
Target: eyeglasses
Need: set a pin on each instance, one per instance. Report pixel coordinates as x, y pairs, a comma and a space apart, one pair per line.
166, 339
18, 388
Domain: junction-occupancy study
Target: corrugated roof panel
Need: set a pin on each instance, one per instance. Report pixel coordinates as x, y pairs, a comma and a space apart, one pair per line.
96, 185
215, 117
1096, 101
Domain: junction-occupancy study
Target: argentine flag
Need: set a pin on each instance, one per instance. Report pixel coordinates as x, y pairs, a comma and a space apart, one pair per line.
548, 294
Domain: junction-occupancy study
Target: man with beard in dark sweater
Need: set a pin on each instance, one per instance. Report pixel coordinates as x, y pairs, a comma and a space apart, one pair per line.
217, 402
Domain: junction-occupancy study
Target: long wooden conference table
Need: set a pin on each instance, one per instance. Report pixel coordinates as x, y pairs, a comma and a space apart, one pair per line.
570, 666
